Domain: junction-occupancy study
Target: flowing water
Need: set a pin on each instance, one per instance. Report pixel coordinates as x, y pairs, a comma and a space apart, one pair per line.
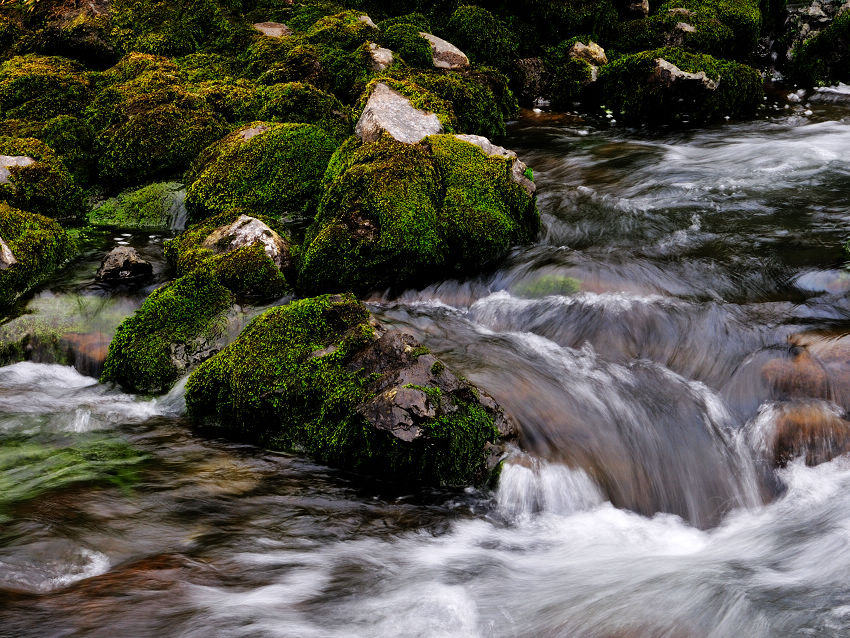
684, 313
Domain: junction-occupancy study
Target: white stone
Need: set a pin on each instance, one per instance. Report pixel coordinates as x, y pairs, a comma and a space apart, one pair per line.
388, 110
7, 162
247, 231
6, 257
273, 29
381, 58
445, 54
367, 20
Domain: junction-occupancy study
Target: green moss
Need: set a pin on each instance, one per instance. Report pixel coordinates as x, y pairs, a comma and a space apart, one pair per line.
825, 57
290, 381
397, 214
148, 123
276, 172
628, 92
541, 23
545, 285
150, 207
571, 76
37, 87
29, 468
406, 42
482, 36
206, 67
45, 186
38, 244
419, 97
303, 103
177, 28
346, 30
186, 252
418, 20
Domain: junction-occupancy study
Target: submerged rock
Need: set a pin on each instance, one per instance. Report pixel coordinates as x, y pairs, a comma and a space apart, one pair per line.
391, 112
123, 265
445, 55
325, 376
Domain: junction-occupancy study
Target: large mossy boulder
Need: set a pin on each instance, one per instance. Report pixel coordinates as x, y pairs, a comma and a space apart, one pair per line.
261, 168
153, 207
33, 178
32, 247
39, 87
347, 30
669, 84
324, 376
396, 214
824, 58
148, 122
482, 36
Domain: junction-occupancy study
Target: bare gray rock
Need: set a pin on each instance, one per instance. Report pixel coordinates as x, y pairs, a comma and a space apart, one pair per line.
253, 131
247, 231
381, 58
7, 259
8, 162
123, 265
671, 76
273, 29
445, 54
518, 167
388, 110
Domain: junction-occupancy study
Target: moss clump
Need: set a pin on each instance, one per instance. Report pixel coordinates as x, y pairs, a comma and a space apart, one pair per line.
38, 244
148, 123
37, 87
44, 186
825, 57
570, 77
151, 207
186, 252
275, 171
482, 36
404, 40
293, 380
177, 28
303, 103
418, 20
348, 30
728, 28
396, 214
627, 89
543, 22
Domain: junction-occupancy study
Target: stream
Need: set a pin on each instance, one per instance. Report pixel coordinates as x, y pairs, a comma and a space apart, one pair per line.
686, 301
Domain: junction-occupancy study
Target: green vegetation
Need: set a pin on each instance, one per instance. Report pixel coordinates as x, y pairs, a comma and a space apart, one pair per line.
482, 36
150, 207
406, 42
292, 381
825, 57
348, 30
396, 214
38, 244
38, 88
628, 90
263, 168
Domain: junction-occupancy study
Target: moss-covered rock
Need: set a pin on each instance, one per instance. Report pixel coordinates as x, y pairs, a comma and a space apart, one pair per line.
398, 214
38, 87
264, 168
696, 87
148, 123
405, 41
177, 28
348, 30
541, 23
33, 178
152, 207
322, 375
482, 36
825, 57
38, 246
303, 103
570, 77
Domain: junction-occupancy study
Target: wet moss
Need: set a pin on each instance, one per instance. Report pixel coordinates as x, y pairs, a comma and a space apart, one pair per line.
570, 77
627, 91
347, 30
38, 244
150, 207
545, 285
406, 42
825, 57
482, 36
419, 97
397, 214
39, 88
45, 186
291, 381
148, 122
303, 103
276, 172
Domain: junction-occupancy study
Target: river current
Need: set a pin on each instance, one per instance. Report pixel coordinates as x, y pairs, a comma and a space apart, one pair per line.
686, 301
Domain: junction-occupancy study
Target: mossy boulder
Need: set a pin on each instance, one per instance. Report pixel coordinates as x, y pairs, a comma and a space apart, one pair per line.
323, 376
399, 214
32, 247
33, 178
348, 30
304, 103
152, 207
669, 84
39, 87
569, 76
824, 58
188, 320
148, 123
482, 36
265, 168
406, 41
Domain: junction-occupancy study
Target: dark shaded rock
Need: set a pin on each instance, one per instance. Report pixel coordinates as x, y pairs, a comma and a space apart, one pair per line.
532, 80
123, 265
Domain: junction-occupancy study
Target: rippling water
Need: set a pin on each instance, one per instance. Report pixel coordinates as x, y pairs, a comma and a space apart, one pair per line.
678, 333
